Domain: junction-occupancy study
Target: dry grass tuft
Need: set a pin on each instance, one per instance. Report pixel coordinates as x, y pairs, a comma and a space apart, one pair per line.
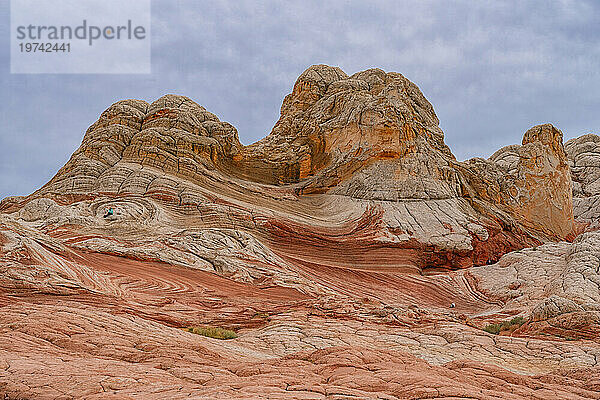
213, 332
511, 325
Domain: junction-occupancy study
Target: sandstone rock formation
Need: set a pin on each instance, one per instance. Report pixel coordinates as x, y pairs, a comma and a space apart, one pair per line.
352, 253
541, 194
584, 160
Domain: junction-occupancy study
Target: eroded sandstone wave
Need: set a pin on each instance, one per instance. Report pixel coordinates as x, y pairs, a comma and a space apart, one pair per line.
352, 253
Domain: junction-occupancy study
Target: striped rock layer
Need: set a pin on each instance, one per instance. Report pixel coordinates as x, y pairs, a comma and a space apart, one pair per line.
352, 253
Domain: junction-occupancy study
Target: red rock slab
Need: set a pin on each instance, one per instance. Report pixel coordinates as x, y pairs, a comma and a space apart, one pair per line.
397, 288
182, 296
71, 351
181, 282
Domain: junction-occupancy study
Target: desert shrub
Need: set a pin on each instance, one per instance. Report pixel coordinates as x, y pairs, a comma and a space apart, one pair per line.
505, 326
213, 332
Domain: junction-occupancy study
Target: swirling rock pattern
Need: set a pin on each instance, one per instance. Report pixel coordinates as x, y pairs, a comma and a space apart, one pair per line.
352, 253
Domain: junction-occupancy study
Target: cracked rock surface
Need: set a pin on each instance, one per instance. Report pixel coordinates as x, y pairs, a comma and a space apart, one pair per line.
353, 255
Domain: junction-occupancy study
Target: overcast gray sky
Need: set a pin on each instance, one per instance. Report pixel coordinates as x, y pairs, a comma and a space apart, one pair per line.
491, 69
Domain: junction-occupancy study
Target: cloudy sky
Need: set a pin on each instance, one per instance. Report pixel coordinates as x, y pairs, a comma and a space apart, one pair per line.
491, 69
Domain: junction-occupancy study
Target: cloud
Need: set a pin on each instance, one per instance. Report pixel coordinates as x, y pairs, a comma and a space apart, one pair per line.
492, 69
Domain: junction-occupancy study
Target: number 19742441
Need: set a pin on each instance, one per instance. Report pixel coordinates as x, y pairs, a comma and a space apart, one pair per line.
45, 47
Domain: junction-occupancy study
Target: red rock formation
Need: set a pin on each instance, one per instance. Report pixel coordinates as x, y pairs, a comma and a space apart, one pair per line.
328, 246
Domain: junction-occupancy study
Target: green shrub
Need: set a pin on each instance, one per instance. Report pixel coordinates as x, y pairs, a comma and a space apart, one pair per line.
511, 325
213, 332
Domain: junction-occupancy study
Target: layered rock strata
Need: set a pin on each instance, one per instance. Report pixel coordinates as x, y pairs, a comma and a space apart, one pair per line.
352, 253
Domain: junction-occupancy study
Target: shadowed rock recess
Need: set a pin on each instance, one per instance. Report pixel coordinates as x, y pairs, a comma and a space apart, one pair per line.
349, 250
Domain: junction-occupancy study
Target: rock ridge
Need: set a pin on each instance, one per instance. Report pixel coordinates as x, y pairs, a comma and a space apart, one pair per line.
349, 250
370, 140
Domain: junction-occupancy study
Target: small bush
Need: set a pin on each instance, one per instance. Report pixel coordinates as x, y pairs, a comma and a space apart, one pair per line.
511, 325
213, 332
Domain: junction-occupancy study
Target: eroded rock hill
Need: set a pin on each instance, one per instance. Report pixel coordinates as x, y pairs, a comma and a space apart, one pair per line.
369, 143
351, 251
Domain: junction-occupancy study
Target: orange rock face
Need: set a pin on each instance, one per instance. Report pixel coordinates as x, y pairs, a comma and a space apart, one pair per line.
353, 255
543, 189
